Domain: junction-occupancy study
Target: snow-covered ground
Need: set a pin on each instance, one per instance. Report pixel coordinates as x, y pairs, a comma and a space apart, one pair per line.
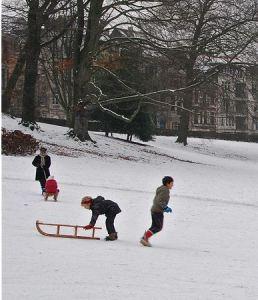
208, 248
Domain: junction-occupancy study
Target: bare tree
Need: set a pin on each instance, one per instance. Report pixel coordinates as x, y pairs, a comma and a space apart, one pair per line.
94, 25
37, 15
14, 26
57, 63
202, 31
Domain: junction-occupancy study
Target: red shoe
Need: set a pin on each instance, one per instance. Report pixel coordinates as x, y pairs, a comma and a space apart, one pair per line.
145, 239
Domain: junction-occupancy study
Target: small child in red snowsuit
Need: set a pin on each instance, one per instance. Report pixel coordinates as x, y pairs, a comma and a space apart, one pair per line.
51, 188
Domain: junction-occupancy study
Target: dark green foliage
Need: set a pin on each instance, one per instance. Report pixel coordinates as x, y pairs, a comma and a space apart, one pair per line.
130, 72
142, 127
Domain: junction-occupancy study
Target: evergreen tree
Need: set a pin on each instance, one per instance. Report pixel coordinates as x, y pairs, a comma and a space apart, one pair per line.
131, 74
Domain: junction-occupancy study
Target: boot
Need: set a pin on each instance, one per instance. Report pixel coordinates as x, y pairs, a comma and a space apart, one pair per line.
145, 239
111, 237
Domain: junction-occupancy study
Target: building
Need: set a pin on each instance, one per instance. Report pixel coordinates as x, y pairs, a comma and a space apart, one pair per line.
226, 107
47, 102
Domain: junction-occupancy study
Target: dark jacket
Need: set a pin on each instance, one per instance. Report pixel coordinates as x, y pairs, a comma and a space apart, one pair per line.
161, 199
42, 171
101, 206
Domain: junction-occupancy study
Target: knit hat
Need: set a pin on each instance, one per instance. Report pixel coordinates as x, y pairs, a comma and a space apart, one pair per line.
86, 200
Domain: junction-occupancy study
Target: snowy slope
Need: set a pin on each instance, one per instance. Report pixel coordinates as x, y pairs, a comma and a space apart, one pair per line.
207, 249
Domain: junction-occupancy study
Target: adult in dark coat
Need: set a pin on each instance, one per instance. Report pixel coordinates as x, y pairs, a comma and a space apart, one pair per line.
42, 163
100, 206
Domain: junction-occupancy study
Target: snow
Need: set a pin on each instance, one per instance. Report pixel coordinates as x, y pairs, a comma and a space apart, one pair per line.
206, 250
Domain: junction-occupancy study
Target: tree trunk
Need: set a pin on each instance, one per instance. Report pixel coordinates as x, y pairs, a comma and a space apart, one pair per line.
183, 129
31, 68
81, 128
69, 118
7, 95
84, 58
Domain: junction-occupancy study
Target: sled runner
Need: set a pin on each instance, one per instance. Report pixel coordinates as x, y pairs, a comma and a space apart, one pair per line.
58, 234
46, 195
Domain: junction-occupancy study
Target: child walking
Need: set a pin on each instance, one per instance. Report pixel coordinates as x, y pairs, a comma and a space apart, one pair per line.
100, 206
158, 208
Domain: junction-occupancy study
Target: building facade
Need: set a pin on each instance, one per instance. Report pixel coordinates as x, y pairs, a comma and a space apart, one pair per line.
47, 102
227, 107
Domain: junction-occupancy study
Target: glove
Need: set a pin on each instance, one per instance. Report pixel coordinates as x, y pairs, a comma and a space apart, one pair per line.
87, 227
168, 209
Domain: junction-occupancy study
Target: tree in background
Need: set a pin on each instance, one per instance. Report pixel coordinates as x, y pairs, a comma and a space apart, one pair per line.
129, 71
142, 127
94, 24
57, 63
201, 32
37, 15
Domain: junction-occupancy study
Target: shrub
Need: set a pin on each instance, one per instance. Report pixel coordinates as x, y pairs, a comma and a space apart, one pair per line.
17, 143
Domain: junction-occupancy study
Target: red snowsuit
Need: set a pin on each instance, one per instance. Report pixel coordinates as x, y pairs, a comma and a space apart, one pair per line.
51, 186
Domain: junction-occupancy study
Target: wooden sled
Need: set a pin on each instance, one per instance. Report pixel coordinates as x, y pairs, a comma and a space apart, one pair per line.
54, 195
73, 236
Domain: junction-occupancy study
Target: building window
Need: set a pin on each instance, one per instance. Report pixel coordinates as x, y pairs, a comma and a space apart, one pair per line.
196, 119
240, 123
178, 104
212, 100
55, 99
208, 118
226, 104
240, 90
203, 118
173, 108
239, 73
174, 125
196, 97
212, 118
226, 85
168, 125
42, 99
241, 107
160, 122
